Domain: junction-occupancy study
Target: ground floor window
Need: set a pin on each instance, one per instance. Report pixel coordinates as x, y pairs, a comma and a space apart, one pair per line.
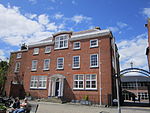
38, 82
78, 82
86, 82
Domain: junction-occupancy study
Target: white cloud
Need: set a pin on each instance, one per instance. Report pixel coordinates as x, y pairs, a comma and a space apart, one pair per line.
43, 19
58, 16
17, 28
80, 18
113, 29
133, 51
33, 1
2, 55
52, 26
31, 16
74, 2
121, 24
146, 11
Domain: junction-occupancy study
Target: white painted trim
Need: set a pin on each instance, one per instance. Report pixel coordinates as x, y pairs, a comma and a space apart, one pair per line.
78, 47
63, 63
97, 60
73, 62
94, 45
43, 43
90, 35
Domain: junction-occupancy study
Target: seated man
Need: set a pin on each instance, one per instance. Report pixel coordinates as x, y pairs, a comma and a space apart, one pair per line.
16, 105
23, 107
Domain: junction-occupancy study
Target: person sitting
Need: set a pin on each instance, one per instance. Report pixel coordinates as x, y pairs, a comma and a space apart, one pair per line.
23, 107
16, 105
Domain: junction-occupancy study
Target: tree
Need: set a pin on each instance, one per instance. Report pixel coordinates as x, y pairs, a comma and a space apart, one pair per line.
3, 73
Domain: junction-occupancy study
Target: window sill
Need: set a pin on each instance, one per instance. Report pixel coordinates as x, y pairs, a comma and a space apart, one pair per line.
35, 54
47, 52
93, 47
94, 67
38, 88
16, 71
45, 69
75, 68
60, 48
90, 89
33, 70
76, 49
74, 89
60, 69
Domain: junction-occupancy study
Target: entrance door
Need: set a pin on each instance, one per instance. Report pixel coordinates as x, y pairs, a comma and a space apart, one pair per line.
57, 88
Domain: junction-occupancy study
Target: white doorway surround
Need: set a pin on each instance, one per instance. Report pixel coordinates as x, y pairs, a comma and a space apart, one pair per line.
56, 85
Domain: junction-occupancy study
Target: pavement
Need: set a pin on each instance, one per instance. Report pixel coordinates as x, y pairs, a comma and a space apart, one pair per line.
48, 107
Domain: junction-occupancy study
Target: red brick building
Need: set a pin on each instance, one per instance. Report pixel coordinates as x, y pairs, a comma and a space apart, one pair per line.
147, 50
70, 65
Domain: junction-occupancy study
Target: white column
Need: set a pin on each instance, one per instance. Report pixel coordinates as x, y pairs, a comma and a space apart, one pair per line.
59, 91
62, 87
53, 87
49, 90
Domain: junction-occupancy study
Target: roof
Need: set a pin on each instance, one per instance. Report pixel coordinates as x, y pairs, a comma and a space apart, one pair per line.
91, 33
135, 79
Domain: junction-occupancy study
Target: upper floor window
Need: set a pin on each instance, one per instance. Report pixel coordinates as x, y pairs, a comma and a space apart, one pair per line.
76, 45
76, 62
91, 81
60, 63
34, 65
78, 81
17, 67
36, 51
61, 42
94, 60
47, 49
94, 43
19, 55
46, 64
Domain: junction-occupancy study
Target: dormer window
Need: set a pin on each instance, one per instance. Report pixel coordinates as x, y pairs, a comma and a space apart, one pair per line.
61, 42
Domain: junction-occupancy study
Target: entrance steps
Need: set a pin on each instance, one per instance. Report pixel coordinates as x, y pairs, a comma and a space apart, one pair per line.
55, 100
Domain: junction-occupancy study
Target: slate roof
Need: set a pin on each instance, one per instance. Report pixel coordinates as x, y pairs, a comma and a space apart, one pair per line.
135, 79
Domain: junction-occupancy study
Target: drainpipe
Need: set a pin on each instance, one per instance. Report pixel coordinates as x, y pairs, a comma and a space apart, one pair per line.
100, 79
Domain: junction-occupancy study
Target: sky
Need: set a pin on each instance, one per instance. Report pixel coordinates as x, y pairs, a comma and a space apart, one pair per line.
26, 21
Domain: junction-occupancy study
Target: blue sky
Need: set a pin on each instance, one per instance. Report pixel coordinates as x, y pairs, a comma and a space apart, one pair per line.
33, 20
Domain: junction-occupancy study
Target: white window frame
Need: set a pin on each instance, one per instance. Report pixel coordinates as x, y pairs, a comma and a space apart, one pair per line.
43, 80
19, 55
58, 41
73, 62
78, 81
47, 49
35, 51
17, 67
58, 63
74, 43
46, 66
91, 61
34, 80
91, 46
90, 88
34, 69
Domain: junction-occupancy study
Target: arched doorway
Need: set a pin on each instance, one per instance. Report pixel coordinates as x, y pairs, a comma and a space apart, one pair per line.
135, 88
56, 85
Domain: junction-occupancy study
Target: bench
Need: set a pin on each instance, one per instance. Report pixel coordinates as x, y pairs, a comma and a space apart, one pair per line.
32, 108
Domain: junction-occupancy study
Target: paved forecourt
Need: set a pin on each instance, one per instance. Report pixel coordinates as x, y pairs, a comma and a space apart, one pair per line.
47, 107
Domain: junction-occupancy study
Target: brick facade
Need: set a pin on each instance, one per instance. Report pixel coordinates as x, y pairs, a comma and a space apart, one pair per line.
104, 72
148, 51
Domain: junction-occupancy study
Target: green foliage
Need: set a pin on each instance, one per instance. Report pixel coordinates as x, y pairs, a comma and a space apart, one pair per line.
3, 108
3, 73
86, 97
